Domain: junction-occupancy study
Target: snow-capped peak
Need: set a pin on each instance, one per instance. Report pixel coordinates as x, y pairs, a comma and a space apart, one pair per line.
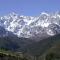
28, 26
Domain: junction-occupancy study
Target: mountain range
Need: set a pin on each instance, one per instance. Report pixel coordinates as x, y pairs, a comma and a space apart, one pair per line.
33, 36
42, 26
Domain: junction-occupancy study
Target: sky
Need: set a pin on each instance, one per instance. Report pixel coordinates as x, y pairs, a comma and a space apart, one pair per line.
28, 7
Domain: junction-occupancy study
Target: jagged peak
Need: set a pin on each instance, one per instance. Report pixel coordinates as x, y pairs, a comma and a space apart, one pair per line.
44, 13
27, 26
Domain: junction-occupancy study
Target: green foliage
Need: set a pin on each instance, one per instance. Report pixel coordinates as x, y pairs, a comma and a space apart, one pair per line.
52, 56
8, 55
54, 52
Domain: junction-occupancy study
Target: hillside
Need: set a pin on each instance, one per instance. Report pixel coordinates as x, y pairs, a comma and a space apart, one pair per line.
32, 50
14, 43
39, 50
54, 52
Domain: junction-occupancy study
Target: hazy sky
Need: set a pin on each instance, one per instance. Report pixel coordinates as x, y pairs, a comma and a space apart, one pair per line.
28, 7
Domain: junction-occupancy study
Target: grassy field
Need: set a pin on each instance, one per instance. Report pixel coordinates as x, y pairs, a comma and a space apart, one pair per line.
8, 55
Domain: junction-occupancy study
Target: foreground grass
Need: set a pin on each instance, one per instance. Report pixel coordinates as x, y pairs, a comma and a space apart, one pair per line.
8, 55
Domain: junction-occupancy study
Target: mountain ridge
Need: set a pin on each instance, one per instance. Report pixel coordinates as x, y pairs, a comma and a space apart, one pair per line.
29, 27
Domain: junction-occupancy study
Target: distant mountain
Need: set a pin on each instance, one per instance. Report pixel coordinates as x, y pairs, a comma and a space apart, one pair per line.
35, 37
42, 26
10, 41
3, 32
